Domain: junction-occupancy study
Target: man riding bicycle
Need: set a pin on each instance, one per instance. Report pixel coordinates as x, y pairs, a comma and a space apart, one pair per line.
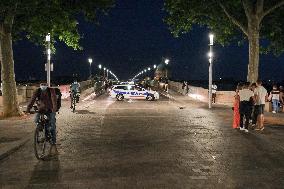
75, 91
48, 102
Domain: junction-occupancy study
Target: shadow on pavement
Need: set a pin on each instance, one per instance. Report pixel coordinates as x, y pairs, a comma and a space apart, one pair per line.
84, 112
46, 173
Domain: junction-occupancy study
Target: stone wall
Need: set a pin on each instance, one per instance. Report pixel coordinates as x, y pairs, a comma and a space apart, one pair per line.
25, 92
201, 94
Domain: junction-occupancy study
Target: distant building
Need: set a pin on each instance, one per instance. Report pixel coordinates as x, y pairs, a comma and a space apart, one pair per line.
162, 72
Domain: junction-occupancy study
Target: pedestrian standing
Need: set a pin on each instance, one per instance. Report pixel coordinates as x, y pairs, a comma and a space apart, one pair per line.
167, 85
214, 92
186, 88
236, 117
260, 95
275, 98
254, 112
281, 96
245, 106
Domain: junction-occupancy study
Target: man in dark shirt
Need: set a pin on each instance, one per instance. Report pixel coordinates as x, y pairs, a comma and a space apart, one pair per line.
48, 103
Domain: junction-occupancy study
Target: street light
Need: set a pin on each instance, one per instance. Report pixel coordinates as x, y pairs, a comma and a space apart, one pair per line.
210, 59
100, 66
48, 66
90, 61
167, 61
155, 66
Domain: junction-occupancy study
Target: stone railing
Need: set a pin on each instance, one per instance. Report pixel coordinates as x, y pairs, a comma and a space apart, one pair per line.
201, 94
25, 92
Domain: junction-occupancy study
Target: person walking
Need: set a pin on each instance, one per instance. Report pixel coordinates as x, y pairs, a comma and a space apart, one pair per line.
275, 98
254, 112
214, 92
245, 106
167, 85
236, 116
260, 95
281, 97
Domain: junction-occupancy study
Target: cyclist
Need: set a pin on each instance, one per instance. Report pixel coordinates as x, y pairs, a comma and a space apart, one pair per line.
48, 103
75, 89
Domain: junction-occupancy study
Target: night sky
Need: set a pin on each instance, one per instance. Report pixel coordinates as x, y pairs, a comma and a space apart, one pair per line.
133, 36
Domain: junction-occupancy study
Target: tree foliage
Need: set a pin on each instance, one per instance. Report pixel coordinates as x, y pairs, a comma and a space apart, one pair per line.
33, 19
229, 19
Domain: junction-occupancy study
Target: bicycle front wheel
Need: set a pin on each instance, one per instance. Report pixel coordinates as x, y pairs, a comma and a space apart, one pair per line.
74, 103
40, 144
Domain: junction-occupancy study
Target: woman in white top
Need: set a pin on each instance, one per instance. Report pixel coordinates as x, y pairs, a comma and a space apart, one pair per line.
275, 97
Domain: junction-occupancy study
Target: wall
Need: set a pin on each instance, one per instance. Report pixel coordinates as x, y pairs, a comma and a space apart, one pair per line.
25, 92
201, 94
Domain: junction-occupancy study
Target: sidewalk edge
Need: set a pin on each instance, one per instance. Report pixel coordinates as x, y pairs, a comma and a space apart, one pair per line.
14, 147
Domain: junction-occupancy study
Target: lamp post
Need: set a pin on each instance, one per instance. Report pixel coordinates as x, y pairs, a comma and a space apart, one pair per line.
104, 73
48, 66
90, 61
210, 55
167, 61
100, 68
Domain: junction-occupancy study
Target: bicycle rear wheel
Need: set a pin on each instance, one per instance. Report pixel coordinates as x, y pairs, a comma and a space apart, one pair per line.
74, 103
41, 144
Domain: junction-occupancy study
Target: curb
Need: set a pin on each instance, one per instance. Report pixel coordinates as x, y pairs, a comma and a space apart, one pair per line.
13, 147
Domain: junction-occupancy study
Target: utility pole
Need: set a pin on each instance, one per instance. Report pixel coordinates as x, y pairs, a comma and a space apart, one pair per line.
48, 65
211, 37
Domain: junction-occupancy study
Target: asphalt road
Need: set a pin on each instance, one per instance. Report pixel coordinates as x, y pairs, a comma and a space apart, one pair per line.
140, 144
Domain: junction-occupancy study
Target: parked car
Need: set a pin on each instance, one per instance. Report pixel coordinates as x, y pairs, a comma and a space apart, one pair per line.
121, 92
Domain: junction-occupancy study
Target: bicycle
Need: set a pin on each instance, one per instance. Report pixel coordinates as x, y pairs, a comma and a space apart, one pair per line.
42, 137
73, 100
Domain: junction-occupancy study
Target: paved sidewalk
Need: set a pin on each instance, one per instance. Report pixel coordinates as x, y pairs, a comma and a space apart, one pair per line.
274, 123
14, 132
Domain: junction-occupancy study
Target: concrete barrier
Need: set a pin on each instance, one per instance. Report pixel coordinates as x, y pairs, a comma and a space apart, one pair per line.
201, 94
25, 93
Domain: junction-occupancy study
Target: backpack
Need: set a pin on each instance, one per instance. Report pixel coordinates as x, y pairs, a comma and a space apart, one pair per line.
58, 96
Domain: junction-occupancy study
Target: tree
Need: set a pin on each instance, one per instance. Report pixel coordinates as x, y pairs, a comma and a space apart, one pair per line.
33, 19
232, 20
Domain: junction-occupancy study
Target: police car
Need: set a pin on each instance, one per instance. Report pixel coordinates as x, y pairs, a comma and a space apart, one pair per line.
121, 92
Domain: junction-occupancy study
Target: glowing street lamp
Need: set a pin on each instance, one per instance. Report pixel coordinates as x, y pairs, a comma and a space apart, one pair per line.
90, 61
167, 61
211, 39
155, 66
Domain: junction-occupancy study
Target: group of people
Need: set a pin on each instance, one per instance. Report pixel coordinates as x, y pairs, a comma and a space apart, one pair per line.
250, 102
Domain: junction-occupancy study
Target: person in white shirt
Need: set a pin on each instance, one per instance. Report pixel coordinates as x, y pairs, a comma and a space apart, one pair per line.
260, 95
246, 96
214, 91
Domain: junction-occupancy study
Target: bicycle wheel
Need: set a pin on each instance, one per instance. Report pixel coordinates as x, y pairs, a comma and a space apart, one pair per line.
74, 103
41, 143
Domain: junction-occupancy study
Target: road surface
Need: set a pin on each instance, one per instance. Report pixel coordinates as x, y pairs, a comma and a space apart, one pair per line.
140, 144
